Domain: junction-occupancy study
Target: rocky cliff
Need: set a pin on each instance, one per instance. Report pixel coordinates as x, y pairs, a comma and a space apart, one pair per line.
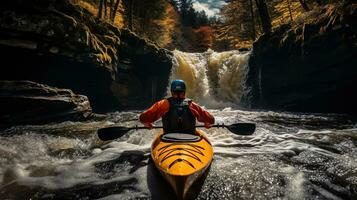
60, 44
308, 66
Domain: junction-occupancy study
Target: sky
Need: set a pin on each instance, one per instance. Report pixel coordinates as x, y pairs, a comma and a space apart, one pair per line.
211, 7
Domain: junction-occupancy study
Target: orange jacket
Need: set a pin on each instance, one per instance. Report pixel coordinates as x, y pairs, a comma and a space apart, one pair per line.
160, 108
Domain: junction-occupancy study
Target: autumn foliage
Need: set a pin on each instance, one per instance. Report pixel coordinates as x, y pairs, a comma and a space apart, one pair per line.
175, 24
203, 38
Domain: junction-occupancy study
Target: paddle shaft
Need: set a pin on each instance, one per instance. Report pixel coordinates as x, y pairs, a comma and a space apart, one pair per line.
110, 133
156, 127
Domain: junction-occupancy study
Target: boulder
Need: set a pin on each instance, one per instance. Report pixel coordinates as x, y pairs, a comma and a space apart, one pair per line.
26, 102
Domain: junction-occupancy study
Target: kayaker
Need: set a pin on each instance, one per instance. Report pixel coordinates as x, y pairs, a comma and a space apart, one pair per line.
178, 113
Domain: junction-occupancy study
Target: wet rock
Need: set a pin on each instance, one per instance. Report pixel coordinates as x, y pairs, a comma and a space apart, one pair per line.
143, 71
58, 43
26, 102
309, 66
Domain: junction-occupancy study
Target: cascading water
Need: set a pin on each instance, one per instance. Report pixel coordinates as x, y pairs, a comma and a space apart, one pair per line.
213, 79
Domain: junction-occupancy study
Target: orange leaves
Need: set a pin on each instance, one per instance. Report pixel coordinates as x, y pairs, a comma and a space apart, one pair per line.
203, 37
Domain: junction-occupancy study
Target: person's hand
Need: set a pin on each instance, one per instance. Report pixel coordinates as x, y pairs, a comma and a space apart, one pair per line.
208, 125
148, 125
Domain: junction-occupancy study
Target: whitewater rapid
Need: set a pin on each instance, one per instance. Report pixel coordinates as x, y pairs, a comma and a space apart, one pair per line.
290, 156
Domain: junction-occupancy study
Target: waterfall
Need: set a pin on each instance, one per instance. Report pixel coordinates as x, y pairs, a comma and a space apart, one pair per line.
213, 79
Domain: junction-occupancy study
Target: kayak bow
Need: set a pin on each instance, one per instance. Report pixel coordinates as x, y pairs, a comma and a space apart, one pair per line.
181, 158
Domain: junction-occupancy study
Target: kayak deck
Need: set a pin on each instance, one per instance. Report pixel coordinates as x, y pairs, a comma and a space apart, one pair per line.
181, 159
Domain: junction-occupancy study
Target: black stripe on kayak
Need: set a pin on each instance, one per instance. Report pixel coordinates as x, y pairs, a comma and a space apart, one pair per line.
181, 160
192, 145
186, 150
181, 154
180, 148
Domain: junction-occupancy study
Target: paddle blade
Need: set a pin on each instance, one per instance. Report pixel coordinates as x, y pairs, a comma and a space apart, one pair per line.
112, 133
242, 128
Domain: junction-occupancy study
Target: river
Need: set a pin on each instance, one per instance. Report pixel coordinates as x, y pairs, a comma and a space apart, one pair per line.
290, 155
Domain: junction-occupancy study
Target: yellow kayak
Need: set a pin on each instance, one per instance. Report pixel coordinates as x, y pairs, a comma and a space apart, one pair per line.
181, 158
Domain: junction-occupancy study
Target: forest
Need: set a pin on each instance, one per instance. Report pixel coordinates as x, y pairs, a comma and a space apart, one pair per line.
175, 24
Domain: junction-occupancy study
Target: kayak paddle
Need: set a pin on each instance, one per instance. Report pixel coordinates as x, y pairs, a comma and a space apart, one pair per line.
114, 132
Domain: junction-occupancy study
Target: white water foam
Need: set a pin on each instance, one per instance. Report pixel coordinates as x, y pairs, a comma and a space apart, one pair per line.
32, 159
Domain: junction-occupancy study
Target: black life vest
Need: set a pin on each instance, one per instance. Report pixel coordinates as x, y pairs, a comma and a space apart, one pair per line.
179, 118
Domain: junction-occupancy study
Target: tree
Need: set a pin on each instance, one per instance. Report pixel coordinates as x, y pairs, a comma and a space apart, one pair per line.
186, 10
153, 20
264, 15
114, 10
202, 19
284, 11
304, 5
236, 27
188, 13
203, 38
252, 17
100, 8
188, 25
113, 7
290, 13
130, 13
318, 2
